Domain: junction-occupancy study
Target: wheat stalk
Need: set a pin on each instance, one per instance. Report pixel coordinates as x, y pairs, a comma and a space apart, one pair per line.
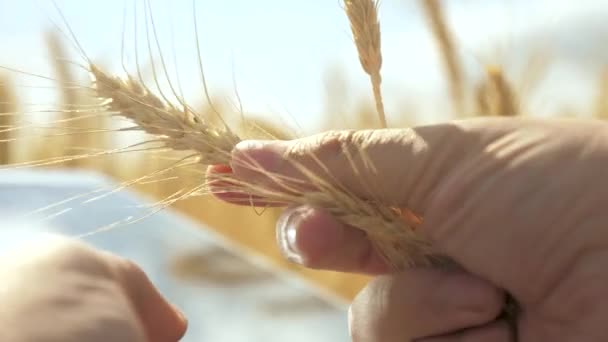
365, 28
63, 145
7, 118
180, 129
435, 16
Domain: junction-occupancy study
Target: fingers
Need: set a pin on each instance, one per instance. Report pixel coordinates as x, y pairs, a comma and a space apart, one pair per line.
420, 303
315, 239
107, 295
399, 166
161, 320
498, 331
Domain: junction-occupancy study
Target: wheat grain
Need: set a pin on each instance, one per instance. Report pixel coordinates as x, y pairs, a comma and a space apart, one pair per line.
365, 28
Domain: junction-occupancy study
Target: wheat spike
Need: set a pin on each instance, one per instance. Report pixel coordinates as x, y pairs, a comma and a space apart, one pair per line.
178, 129
182, 130
500, 96
365, 28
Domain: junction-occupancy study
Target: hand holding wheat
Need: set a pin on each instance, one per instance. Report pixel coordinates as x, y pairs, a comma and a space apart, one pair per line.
514, 201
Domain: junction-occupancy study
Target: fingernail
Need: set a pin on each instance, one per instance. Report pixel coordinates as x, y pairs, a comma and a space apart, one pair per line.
287, 232
222, 169
181, 332
253, 154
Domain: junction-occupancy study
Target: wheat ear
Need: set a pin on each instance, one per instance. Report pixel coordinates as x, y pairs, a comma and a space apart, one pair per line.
180, 129
365, 28
177, 129
499, 94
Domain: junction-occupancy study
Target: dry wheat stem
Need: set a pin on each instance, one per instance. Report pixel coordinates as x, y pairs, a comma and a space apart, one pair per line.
179, 129
6, 121
365, 28
434, 12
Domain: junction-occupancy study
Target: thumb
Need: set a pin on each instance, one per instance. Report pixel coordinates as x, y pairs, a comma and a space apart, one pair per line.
398, 167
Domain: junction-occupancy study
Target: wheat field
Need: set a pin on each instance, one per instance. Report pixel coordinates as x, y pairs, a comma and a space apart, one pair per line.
81, 134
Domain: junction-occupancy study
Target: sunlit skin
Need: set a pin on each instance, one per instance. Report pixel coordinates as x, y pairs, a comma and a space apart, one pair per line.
60, 289
520, 204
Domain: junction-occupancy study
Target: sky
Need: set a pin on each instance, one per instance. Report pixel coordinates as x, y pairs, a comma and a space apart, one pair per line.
278, 52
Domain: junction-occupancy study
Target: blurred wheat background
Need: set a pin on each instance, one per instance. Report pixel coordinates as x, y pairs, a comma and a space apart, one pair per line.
505, 77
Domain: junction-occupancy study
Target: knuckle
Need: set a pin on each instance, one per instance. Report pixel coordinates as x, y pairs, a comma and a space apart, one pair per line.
324, 144
325, 154
338, 149
333, 143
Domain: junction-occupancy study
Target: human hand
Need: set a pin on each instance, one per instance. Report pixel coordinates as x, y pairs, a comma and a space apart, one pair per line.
519, 203
61, 290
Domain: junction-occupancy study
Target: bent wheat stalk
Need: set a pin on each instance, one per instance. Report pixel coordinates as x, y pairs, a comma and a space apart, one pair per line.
180, 129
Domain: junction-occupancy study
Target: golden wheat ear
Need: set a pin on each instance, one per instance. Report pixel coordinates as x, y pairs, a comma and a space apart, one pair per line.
177, 128
495, 96
365, 28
